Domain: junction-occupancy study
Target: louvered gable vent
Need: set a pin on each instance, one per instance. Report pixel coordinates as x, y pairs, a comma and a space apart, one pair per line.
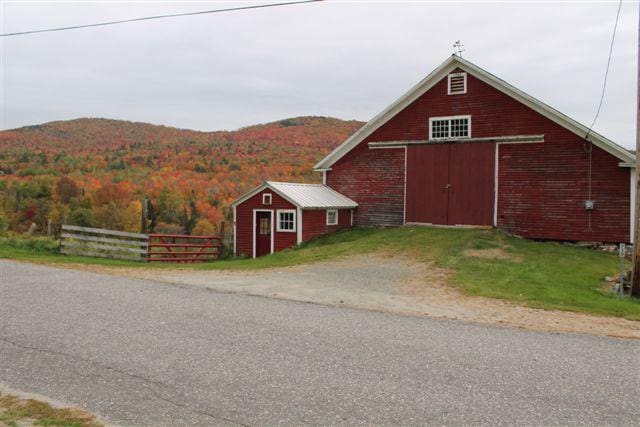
457, 83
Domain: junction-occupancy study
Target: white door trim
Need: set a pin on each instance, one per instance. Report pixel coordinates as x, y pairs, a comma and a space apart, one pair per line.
495, 187
632, 202
404, 205
234, 232
253, 235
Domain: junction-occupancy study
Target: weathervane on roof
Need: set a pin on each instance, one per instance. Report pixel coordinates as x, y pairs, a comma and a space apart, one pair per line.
458, 48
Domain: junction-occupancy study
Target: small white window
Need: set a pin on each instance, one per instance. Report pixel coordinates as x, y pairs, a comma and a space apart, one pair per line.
456, 83
450, 127
332, 217
266, 199
286, 220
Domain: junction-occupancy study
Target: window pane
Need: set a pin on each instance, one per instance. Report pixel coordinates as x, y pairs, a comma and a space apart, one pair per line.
440, 129
265, 228
331, 217
459, 128
286, 221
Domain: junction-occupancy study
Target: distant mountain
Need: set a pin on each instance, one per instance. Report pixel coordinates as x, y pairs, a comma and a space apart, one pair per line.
98, 133
212, 168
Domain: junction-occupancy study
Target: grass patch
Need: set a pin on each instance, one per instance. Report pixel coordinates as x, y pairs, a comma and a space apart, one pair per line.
14, 409
483, 262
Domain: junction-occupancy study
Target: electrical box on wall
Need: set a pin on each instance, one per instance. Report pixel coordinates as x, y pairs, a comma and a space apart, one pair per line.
589, 205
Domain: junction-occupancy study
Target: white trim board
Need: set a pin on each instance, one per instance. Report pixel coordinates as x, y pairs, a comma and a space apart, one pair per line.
464, 85
272, 186
513, 139
235, 233
404, 205
495, 186
246, 196
337, 216
438, 74
632, 202
295, 220
449, 119
299, 229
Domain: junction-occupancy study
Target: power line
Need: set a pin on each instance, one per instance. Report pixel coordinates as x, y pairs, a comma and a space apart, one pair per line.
147, 18
606, 74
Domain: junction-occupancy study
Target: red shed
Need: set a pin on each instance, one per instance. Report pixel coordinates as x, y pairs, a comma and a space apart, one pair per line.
280, 215
464, 147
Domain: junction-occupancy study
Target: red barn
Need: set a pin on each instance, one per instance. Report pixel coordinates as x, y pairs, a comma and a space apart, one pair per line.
464, 147
280, 215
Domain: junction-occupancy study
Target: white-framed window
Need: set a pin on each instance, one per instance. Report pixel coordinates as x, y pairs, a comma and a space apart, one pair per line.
450, 127
266, 198
456, 83
286, 220
332, 217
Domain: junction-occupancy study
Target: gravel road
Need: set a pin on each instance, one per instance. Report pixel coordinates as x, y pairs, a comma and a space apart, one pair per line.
139, 352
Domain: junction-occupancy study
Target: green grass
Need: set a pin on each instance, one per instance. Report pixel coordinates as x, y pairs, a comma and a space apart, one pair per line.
536, 274
14, 409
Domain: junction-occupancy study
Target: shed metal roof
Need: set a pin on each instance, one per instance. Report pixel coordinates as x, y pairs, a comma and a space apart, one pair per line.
304, 196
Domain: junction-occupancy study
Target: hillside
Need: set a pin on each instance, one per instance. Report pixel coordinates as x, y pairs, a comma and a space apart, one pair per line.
97, 171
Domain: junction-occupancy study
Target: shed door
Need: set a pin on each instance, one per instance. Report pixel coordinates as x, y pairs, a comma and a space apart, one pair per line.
263, 233
450, 184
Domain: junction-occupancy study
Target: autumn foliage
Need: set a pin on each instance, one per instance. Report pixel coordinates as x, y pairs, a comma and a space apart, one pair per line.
99, 172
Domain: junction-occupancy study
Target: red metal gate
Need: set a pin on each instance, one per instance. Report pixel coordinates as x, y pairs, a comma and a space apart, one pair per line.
451, 184
183, 248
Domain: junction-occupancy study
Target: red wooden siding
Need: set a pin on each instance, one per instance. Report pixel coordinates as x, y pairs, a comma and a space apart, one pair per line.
314, 223
375, 180
244, 223
541, 187
541, 192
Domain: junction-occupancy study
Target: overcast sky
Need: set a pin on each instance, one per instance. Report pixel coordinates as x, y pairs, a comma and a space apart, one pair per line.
335, 58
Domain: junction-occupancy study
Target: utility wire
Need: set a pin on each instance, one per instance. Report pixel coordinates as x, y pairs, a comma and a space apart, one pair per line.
148, 18
606, 74
604, 86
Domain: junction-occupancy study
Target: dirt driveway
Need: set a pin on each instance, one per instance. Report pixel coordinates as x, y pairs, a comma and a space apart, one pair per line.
395, 285
375, 282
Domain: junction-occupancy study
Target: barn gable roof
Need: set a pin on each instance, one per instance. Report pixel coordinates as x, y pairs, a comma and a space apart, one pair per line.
442, 71
304, 196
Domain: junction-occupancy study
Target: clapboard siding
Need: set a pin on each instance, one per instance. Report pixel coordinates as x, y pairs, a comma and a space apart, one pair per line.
244, 223
542, 190
315, 223
375, 180
541, 187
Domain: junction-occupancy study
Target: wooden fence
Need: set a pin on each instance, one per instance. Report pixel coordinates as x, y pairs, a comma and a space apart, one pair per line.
99, 242
183, 248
